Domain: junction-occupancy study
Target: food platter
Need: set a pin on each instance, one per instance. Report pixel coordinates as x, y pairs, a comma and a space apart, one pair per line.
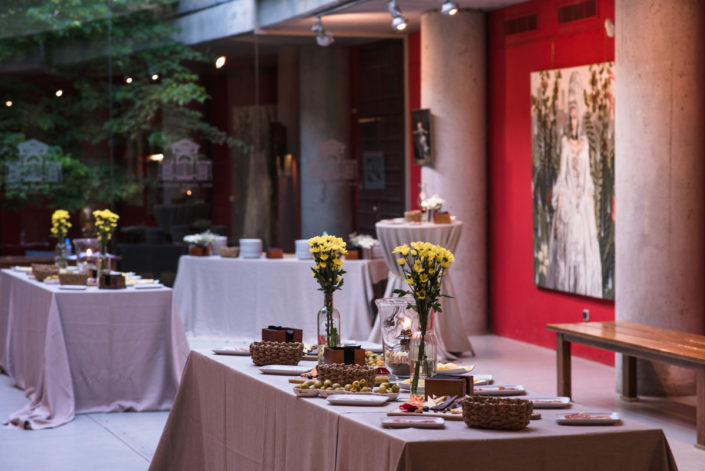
549, 402
588, 418
499, 390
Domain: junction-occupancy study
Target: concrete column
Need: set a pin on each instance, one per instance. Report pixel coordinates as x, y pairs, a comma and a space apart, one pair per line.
288, 89
453, 87
325, 116
660, 174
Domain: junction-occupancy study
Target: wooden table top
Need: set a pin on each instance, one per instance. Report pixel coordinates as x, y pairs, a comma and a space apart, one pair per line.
633, 335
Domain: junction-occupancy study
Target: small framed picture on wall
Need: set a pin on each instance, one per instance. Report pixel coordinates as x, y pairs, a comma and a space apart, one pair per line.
421, 133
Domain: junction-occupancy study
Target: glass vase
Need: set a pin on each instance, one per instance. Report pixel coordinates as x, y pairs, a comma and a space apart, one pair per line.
60, 253
399, 322
103, 261
423, 354
328, 327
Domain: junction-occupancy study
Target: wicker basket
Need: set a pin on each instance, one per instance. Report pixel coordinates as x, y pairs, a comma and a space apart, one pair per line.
229, 252
42, 270
346, 374
496, 413
73, 278
276, 353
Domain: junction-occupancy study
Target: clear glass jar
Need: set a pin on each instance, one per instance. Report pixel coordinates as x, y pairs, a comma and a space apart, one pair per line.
60, 253
398, 324
328, 327
423, 355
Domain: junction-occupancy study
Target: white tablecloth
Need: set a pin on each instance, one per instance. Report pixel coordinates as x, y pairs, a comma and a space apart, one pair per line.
448, 324
88, 351
236, 298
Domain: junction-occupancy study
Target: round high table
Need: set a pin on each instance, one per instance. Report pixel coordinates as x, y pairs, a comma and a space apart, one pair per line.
448, 325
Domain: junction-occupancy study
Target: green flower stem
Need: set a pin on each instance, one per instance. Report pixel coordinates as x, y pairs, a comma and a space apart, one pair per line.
420, 359
331, 331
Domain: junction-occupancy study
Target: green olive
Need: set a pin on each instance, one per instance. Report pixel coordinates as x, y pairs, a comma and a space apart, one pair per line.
363, 382
395, 388
348, 387
318, 384
357, 384
327, 383
336, 385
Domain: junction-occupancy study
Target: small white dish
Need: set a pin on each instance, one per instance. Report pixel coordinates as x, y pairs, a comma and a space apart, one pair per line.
588, 418
149, 286
289, 370
549, 402
73, 287
415, 422
462, 370
326, 393
499, 390
357, 400
306, 392
480, 380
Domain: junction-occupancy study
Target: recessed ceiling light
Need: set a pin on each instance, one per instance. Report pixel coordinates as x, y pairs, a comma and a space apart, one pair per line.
59, 92
128, 79
155, 77
8, 103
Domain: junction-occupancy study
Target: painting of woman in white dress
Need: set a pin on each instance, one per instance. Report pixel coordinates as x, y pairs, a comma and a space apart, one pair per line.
573, 181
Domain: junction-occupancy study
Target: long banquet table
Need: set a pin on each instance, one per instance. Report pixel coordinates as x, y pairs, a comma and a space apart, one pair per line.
236, 297
88, 351
229, 416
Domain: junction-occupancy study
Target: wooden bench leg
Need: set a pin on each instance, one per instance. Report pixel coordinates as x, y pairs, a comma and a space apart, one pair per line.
629, 378
563, 379
700, 406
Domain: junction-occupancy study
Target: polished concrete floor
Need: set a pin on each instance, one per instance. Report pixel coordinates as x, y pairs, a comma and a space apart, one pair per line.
126, 441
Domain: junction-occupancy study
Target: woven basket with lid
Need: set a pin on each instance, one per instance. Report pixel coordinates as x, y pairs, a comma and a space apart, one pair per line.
276, 353
496, 413
346, 374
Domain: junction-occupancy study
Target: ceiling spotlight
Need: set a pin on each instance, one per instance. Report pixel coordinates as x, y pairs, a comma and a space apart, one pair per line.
8, 103
449, 8
399, 23
220, 62
128, 79
59, 92
323, 37
155, 77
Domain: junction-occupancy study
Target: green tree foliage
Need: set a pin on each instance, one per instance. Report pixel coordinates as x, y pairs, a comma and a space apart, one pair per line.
88, 48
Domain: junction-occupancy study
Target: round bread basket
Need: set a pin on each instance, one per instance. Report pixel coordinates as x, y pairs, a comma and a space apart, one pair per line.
42, 270
276, 353
496, 413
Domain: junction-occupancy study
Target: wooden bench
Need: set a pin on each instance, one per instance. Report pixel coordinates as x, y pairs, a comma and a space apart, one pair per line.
634, 340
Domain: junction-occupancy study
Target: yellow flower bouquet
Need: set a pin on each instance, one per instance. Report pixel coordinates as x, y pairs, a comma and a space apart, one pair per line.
105, 223
424, 265
328, 271
60, 226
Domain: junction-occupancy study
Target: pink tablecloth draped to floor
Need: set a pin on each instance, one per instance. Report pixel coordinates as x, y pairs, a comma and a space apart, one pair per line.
88, 351
229, 416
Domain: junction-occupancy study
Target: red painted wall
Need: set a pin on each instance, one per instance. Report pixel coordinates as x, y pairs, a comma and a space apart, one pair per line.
519, 309
413, 44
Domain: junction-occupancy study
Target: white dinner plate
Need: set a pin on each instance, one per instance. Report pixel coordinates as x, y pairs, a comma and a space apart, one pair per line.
499, 390
456, 371
326, 393
355, 400
22, 269
588, 418
149, 286
73, 287
549, 402
239, 351
290, 370
479, 380
415, 422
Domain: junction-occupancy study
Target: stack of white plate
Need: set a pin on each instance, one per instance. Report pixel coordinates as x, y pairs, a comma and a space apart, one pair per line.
302, 252
250, 248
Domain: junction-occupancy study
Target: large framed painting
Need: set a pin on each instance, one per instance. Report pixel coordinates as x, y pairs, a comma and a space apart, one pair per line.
572, 126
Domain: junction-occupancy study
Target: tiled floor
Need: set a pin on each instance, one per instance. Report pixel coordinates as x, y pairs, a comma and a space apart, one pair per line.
126, 441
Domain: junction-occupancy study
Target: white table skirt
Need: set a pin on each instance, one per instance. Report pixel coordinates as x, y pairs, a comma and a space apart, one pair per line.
448, 324
236, 298
88, 351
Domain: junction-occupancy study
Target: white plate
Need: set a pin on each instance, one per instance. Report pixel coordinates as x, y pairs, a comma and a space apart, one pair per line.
588, 418
240, 351
499, 390
549, 402
326, 393
51, 282
306, 392
149, 286
73, 287
415, 422
22, 269
480, 380
355, 400
290, 370
456, 371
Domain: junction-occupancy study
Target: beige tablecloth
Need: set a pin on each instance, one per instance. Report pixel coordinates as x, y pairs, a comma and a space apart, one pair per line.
88, 351
229, 416
236, 298
448, 324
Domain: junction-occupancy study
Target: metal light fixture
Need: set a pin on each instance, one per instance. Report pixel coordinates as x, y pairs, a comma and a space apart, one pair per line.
449, 8
399, 23
323, 37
